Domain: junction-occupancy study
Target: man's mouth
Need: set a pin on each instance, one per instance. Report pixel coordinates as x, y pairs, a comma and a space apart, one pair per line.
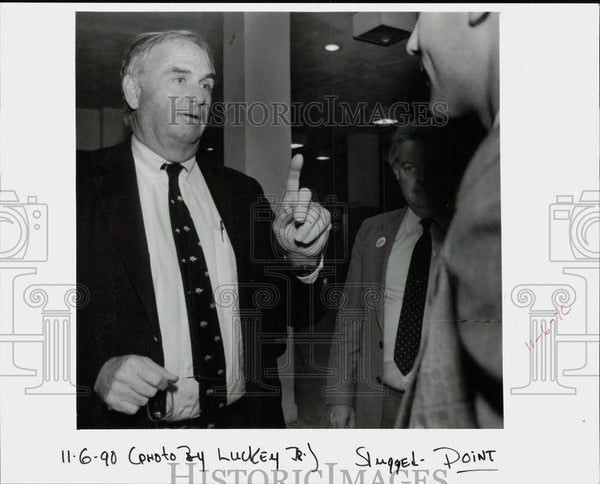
193, 118
425, 74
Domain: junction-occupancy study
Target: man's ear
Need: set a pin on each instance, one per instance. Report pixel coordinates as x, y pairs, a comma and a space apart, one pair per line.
131, 90
476, 18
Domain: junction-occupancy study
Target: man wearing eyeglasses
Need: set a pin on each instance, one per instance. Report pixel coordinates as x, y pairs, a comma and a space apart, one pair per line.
393, 258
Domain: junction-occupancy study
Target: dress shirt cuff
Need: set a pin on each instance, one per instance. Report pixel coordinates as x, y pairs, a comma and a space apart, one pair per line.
312, 277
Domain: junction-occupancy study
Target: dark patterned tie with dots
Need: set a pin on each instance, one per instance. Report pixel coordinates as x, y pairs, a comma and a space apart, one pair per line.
205, 334
408, 337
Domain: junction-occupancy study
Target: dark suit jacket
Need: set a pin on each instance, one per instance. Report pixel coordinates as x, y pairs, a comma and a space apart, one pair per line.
459, 384
121, 316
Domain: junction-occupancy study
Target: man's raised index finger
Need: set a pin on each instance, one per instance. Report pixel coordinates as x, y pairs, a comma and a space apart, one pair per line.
293, 179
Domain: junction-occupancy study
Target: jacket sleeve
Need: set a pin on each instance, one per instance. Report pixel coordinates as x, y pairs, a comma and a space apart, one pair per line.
346, 348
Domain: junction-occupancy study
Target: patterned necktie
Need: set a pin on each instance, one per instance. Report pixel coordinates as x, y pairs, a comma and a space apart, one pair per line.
408, 337
207, 346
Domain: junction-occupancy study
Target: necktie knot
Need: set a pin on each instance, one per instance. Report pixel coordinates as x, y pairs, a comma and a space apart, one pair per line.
426, 223
173, 169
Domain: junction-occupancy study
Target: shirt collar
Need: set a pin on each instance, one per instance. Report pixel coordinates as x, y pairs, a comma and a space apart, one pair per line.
410, 221
151, 163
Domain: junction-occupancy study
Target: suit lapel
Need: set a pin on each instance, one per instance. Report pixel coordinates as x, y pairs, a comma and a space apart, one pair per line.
119, 195
387, 232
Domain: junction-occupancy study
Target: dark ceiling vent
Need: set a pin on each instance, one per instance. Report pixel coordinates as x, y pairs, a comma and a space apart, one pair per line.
383, 28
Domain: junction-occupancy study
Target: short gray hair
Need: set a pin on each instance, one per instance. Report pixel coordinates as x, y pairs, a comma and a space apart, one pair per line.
135, 58
436, 136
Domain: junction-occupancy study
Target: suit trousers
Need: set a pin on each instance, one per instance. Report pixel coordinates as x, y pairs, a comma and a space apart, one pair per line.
391, 407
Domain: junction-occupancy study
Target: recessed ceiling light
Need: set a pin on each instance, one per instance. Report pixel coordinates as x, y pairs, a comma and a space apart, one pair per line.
323, 158
209, 148
332, 47
299, 140
385, 121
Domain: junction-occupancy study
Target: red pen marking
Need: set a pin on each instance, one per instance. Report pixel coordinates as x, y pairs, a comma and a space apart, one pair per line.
546, 332
561, 310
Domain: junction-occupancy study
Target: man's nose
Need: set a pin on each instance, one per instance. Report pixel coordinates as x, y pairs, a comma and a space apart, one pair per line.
423, 177
412, 46
199, 96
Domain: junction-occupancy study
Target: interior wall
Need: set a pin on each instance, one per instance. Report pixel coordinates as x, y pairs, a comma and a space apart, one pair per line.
99, 128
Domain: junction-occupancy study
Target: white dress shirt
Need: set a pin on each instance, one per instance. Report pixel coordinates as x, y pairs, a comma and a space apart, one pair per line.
408, 234
182, 398
153, 184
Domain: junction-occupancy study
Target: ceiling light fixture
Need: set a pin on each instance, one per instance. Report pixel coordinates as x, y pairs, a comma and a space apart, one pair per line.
332, 47
383, 116
299, 140
385, 121
209, 148
323, 158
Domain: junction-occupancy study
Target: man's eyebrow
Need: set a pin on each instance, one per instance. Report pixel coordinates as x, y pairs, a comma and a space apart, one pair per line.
181, 70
